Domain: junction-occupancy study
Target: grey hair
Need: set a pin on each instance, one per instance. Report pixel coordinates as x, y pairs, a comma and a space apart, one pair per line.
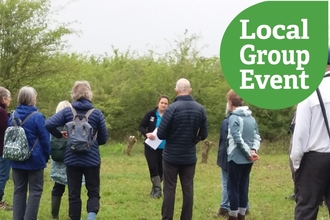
81, 89
27, 96
227, 112
4, 93
182, 85
62, 105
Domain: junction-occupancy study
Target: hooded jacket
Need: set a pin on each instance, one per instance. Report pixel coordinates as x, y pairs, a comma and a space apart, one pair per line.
96, 120
34, 128
243, 135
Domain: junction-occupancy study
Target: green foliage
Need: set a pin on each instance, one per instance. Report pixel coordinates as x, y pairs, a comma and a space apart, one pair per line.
28, 46
125, 85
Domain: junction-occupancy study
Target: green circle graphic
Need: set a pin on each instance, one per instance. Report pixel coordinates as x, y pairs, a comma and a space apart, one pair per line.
273, 54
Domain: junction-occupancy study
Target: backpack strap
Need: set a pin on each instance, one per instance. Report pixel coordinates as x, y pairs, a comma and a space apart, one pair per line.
74, 112
13, 120
34, 145
88, 113
29, 116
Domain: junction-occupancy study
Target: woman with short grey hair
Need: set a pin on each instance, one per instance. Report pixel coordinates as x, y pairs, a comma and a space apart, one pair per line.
78, 163
29, 173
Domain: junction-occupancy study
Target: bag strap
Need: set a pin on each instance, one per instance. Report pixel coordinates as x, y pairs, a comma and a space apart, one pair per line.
88, 113
29, 116
74, 112
34, 145
13, 121
323, 108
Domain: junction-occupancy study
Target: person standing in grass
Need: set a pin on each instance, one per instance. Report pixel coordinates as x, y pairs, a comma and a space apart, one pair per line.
243, 144
87, 163
28, 176
222, 161
183, 125
310, 153
5, 164
154, 158
58, 168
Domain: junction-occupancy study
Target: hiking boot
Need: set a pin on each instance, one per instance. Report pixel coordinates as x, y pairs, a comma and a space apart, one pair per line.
240, 217
247, 212
56, 203
223, 212
232, 217
156, 191
5, 206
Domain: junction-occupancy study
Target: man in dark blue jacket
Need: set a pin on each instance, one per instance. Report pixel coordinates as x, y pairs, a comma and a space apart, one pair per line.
183, 125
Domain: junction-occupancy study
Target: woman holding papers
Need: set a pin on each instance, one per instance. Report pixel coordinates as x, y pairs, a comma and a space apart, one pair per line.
154, 154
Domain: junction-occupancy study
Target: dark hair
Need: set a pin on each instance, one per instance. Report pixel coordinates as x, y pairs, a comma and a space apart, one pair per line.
163, 97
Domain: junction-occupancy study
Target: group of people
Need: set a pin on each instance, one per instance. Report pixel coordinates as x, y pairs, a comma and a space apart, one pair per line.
41, 133
180, 126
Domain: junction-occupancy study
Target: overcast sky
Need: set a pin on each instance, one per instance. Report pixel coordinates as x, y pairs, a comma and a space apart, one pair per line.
145, 24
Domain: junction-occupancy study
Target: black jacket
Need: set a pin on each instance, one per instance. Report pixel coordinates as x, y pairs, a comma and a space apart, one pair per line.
148, 123
179, 126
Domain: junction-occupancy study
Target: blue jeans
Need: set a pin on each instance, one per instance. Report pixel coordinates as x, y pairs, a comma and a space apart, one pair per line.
225, 200
4, 174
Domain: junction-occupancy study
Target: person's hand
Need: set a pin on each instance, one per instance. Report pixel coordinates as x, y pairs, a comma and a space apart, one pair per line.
64, 134
253, 157
150, 136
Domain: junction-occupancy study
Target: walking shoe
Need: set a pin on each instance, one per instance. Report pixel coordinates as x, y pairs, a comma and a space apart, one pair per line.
230, 217
5, 206
223, 212
240, 217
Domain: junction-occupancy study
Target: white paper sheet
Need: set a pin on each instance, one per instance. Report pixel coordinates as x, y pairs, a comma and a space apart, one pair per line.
154, 143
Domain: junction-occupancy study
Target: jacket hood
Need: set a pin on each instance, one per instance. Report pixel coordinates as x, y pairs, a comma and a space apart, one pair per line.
82, 104
25, 110
242, 111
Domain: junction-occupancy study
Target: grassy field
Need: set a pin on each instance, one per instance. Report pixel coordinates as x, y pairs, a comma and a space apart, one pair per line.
125, 188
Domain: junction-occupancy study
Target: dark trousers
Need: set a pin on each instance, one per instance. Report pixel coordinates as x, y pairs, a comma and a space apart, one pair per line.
312, 184
186, 175
92, 179
58, 190
154, 160
24, 180
238, 184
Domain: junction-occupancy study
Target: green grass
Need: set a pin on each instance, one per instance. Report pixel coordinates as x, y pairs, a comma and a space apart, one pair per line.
125, 188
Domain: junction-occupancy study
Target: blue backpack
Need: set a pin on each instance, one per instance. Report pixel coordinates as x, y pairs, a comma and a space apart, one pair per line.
80, 132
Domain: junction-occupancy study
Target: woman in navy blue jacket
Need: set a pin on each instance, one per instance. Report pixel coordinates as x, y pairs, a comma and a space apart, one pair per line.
30, 173
87, 164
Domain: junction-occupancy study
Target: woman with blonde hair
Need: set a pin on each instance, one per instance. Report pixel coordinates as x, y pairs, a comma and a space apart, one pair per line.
58, 168
87, 163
